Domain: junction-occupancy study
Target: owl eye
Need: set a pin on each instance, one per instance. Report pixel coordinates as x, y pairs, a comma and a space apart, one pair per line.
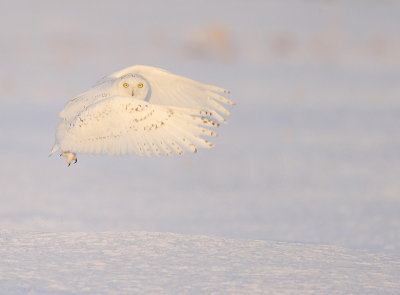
140, 85
126, 85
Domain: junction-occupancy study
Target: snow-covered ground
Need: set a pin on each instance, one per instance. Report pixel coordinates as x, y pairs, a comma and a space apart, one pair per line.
166, 263
310, 156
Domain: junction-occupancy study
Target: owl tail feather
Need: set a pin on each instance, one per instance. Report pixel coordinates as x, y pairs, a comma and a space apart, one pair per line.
54, 149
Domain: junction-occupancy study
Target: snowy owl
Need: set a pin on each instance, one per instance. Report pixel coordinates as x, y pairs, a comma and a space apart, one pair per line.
143, 110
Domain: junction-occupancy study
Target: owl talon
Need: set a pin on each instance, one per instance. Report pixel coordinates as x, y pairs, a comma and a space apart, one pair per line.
69, 157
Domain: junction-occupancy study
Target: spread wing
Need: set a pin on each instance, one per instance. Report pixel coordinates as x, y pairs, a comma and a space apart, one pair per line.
123, 125
85, 99
171, 89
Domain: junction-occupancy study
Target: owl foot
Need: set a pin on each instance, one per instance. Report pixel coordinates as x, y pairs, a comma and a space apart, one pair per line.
69, 157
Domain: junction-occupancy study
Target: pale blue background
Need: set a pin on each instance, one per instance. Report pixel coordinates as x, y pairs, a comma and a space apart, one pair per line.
311, 153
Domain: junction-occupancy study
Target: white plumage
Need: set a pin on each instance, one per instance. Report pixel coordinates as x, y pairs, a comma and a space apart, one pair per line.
143, 110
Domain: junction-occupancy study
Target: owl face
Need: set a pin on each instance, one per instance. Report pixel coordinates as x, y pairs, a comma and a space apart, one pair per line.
132, 85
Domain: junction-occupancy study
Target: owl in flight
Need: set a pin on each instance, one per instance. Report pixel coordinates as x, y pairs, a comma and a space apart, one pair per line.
143, 110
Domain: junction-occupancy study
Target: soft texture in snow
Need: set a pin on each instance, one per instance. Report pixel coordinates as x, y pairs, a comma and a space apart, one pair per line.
166, 263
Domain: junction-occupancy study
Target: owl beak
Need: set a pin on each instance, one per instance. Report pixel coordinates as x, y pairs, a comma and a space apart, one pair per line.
133, 93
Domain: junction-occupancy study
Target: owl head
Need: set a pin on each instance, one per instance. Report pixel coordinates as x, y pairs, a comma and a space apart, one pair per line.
132, 85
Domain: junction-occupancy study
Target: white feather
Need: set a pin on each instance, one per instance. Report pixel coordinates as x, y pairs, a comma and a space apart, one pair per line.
171, 89
124, 125
143, 110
